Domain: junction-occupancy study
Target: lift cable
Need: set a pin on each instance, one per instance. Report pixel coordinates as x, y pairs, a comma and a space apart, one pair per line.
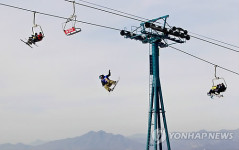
106, 11
215, 40
93, 24
214, 43
113, 9
205, 60
47, 14
145, 19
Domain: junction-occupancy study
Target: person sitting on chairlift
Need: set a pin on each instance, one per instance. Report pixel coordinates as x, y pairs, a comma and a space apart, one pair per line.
35, 38
216, 90
221, 88
39, 36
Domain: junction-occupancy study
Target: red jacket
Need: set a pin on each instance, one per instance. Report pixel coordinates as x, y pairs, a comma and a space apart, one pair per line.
40, 37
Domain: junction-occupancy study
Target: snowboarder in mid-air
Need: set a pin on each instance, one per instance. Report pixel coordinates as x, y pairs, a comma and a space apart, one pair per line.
106, 82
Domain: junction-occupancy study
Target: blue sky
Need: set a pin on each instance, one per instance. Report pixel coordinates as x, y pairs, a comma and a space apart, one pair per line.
53, 91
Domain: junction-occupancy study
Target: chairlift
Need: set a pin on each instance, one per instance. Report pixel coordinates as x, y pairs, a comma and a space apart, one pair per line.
37, 33
69, 27
218, 85
218, 80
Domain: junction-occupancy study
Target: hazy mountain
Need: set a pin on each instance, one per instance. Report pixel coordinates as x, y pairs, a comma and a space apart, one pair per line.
141, 138
93, 141
106, 141
90, 141
15, 147
37, 142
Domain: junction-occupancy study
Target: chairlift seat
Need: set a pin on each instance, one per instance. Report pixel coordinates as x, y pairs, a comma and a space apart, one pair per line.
72, 31
218, 80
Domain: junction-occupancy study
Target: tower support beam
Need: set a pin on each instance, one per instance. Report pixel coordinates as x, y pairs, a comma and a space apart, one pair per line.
156, 104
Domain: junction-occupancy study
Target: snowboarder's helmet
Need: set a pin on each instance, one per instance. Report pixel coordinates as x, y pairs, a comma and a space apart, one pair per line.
101, 76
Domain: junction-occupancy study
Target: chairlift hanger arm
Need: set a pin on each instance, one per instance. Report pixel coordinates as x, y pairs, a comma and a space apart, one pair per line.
215, 71
74, 8
34, 18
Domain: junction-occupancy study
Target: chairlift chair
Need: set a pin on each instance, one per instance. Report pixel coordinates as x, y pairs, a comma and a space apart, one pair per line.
69, 27
216, 81
72, 23
36, 29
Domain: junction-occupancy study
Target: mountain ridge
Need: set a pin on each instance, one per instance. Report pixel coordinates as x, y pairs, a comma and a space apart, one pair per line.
101, 140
